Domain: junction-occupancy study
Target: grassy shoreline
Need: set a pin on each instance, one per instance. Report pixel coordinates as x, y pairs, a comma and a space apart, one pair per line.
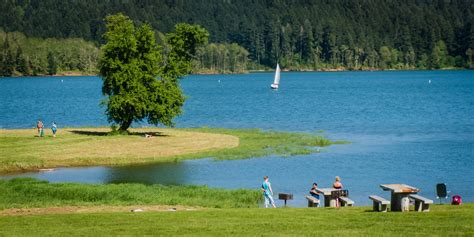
33, 193
22, 151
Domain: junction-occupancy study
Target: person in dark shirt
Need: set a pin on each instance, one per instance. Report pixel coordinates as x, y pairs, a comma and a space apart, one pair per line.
314, 192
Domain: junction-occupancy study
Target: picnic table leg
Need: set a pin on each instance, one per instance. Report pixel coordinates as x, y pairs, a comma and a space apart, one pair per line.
376, 206
400, 202
405, 202
328, 201
395, 202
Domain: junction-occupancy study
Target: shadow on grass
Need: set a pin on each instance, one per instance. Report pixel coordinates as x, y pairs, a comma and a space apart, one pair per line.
144, 134
388, 211
90, 133
140, 134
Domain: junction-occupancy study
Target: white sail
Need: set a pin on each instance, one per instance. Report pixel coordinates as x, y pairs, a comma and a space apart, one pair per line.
277, 75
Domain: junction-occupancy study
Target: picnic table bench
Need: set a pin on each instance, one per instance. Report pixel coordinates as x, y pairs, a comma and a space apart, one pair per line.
346, 202
312, 201
380, 203
421, 203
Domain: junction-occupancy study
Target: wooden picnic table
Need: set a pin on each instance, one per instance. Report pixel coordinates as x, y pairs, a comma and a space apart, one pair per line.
399, 198
328, 200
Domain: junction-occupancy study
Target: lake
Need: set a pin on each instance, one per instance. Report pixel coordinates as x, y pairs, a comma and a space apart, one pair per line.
413, 127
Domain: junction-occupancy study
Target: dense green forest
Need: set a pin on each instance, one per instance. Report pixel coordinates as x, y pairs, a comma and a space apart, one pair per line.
299, 34
35, 56
21, 55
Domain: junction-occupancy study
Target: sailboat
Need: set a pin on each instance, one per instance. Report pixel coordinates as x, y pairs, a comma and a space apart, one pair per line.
276, 82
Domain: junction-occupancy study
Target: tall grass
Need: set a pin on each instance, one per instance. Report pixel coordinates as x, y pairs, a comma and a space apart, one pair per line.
27, 193
259, 143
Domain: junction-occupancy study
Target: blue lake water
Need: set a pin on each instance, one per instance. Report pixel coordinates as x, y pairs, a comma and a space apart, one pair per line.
403, 129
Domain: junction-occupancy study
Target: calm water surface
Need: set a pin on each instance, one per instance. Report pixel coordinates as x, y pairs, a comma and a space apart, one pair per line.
403, 129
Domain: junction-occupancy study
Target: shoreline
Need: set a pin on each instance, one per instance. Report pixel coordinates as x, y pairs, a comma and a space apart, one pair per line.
211, 72
330, 70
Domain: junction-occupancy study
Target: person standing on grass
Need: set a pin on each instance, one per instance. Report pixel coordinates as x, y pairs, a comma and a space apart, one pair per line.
39, 126
54, 128
267, 192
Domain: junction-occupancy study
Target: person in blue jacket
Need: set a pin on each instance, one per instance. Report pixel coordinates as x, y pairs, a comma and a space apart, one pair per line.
54, 128
267, 192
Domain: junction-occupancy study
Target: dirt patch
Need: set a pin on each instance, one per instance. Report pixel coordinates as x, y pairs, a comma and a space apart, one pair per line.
94, 209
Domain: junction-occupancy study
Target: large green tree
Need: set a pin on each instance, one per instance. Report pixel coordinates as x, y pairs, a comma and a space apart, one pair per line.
141, 82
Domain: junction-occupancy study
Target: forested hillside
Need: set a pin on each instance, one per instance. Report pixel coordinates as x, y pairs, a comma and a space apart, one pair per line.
30, 56
35, 56
299, 34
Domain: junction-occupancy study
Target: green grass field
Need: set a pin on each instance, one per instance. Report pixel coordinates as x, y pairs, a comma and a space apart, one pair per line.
444, 220
32, 207
21, 150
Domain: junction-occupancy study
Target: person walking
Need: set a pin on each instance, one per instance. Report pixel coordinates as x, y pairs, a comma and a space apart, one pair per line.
54, 128
267, 192
39, 126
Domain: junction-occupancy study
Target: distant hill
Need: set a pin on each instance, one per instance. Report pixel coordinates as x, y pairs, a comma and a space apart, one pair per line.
299, 34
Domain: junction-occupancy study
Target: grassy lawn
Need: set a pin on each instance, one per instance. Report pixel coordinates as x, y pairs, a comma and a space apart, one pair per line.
21, 150
31, 206
443, 220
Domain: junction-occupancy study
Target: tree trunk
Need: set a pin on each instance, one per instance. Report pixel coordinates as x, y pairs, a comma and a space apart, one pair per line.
125, 125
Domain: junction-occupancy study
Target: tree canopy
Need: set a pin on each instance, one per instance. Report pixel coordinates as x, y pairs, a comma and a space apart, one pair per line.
35, 56
298, 34
141, 82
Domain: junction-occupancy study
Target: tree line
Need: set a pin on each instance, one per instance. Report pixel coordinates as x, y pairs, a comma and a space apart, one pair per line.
299, 34
222, 58
23, 56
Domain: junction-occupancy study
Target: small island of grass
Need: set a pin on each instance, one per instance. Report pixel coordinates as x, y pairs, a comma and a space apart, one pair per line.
22, 150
